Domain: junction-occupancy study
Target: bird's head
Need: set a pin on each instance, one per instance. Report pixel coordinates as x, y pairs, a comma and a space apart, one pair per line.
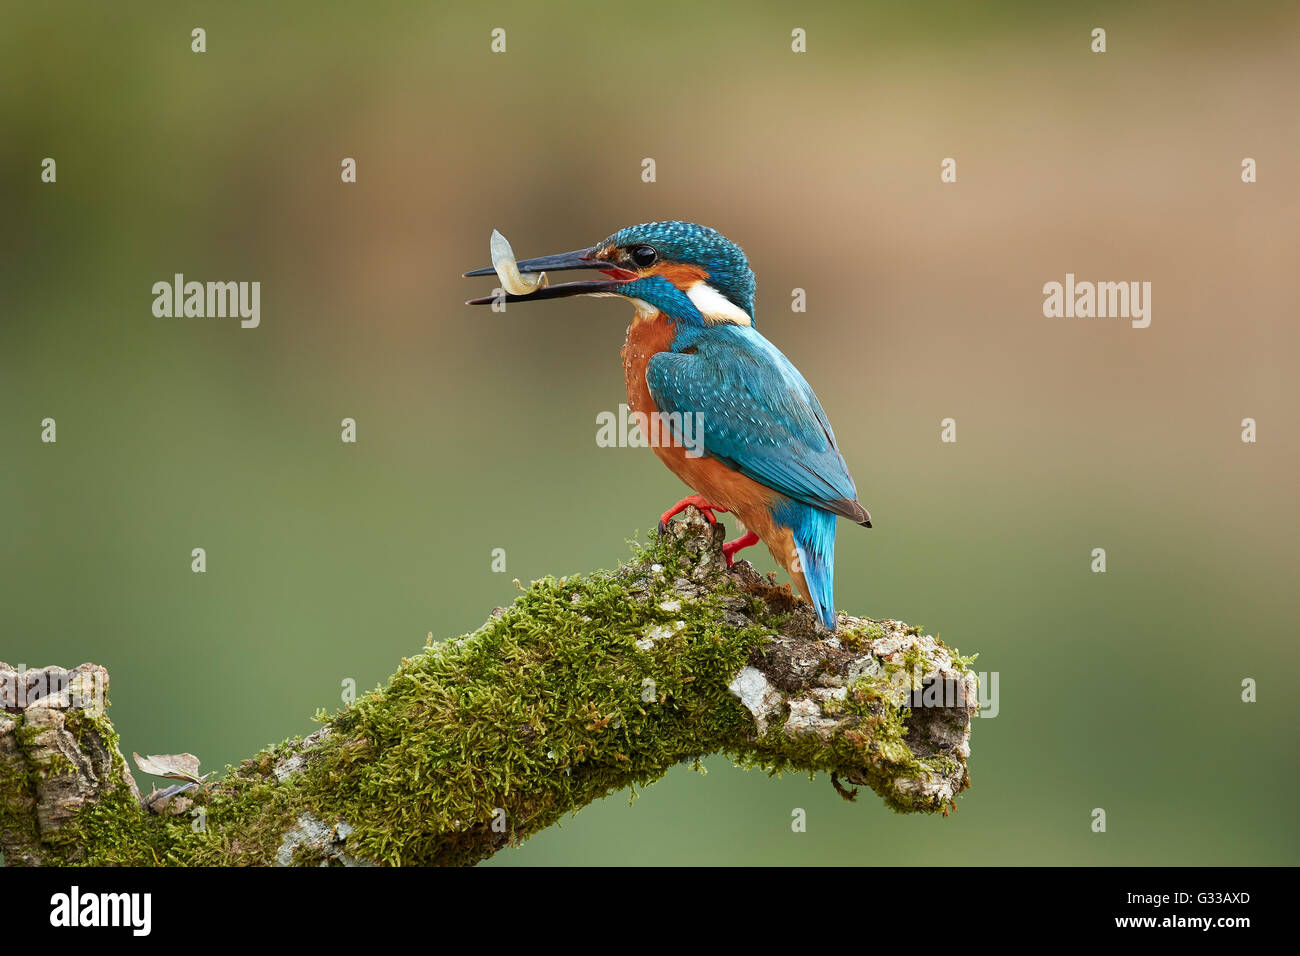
690, 273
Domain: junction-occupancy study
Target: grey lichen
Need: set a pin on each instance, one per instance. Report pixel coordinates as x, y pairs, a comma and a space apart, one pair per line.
760, 698
312, 840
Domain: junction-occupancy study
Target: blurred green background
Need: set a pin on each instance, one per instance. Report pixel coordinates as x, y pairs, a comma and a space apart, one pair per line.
329, 561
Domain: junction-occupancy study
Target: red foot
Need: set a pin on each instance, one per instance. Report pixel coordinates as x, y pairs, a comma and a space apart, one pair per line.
747, 540
699, 502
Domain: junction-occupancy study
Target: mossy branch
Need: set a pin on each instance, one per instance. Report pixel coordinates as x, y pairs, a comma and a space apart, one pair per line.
585, 686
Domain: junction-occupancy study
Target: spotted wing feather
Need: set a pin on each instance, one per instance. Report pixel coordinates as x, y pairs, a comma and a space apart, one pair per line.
758, 415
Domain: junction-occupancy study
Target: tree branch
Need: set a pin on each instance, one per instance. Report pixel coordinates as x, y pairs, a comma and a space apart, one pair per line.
586, 685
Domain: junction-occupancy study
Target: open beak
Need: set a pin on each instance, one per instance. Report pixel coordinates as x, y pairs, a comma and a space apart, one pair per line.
578, 259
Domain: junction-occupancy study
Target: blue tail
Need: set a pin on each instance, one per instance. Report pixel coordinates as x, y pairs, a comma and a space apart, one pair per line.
814, 537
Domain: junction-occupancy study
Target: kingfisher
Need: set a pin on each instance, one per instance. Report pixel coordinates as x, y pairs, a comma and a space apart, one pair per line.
764, 449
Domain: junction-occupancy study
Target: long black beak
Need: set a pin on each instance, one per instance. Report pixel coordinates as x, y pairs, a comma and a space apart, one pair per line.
564, 261
578, 259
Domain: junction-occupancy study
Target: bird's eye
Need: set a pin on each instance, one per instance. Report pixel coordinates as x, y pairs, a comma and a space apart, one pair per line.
643, 256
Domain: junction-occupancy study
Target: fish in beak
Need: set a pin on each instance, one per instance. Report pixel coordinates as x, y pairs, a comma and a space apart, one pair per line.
517, 277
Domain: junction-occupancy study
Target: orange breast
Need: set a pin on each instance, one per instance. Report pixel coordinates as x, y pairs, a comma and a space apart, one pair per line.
721, 485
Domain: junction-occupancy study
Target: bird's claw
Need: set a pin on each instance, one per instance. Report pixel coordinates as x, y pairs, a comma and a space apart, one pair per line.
704, 507
746, 540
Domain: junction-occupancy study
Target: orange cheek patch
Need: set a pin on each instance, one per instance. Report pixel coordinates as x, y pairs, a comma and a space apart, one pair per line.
679, 274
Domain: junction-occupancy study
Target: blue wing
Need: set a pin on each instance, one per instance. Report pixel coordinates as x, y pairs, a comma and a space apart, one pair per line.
758, 415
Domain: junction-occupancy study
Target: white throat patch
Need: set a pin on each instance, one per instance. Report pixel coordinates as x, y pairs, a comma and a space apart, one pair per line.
715, 306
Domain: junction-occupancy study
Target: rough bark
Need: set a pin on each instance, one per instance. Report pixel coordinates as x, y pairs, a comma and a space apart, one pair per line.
584, 687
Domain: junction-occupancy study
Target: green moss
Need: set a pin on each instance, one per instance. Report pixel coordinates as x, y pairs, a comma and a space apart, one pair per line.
536, 715
16, 800
914, 665
859, 637
484, 740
